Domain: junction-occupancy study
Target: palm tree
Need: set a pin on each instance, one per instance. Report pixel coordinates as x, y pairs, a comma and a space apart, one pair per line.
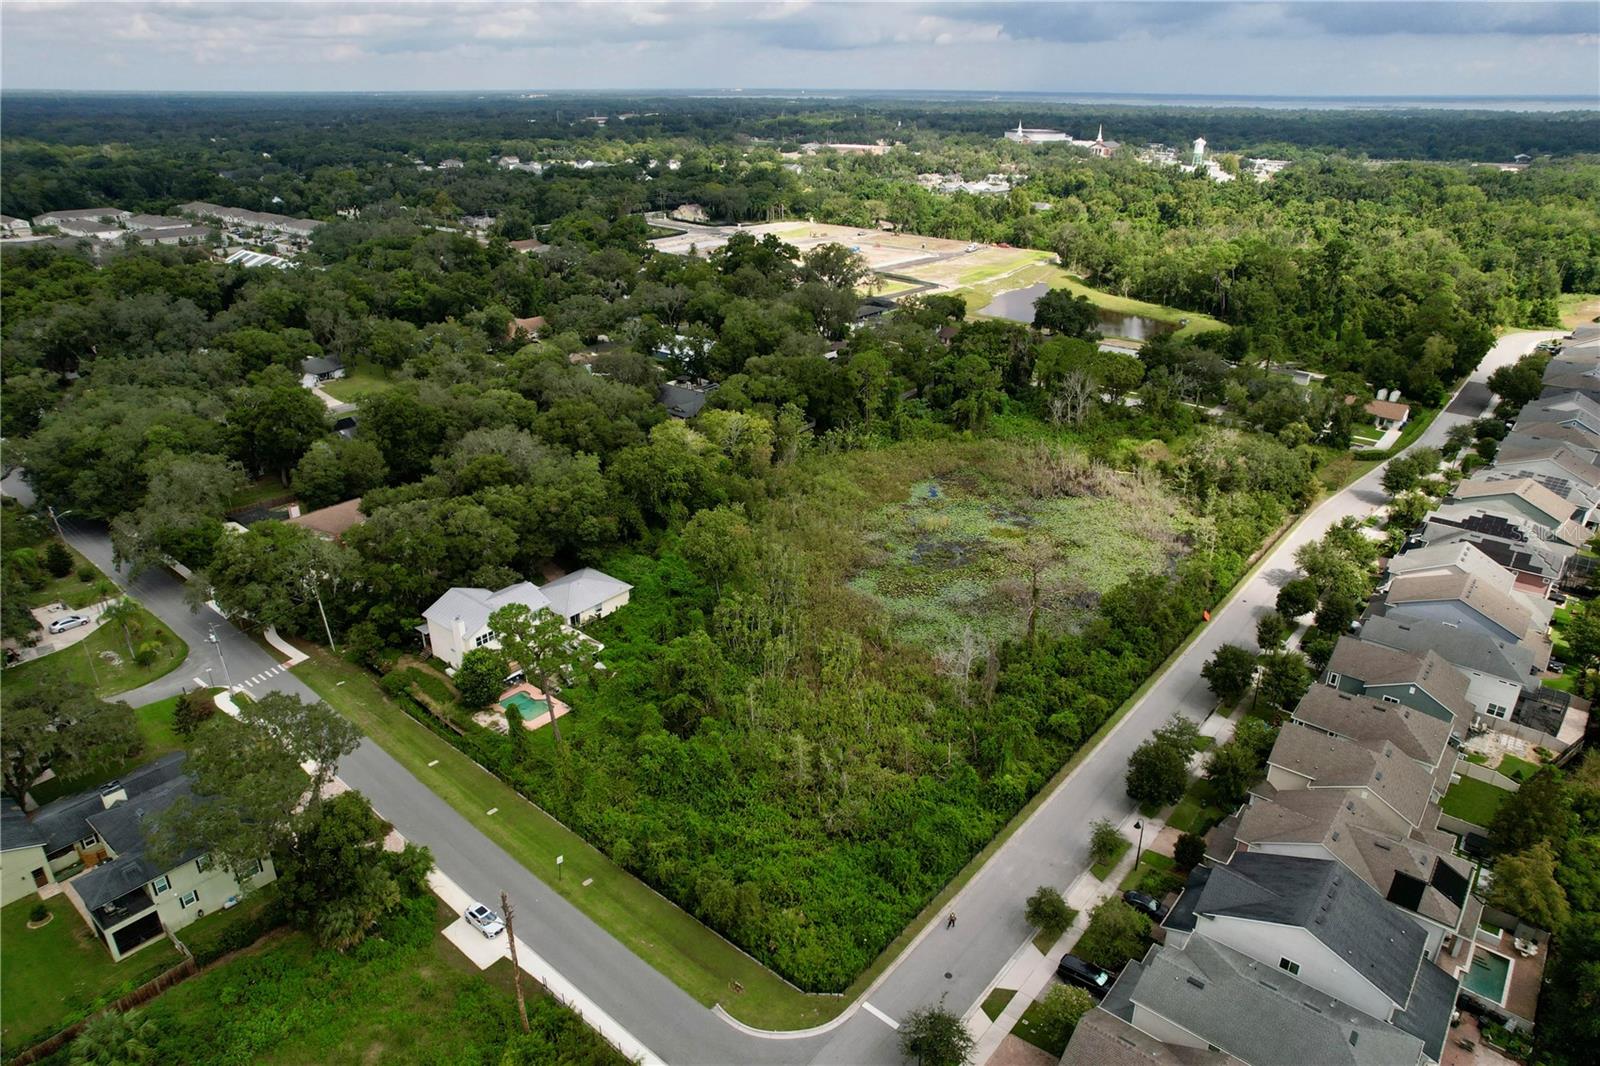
113, 1039
122, 612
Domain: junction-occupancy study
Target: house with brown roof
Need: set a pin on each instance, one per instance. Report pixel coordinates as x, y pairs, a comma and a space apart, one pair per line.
1306, 758
331, 522
1369, 720
1562, 470
1387, 414
1423, 682
1524, 497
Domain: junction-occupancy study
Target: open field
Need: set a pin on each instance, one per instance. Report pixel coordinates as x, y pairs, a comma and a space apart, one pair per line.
958, 553
357, 382
977, 271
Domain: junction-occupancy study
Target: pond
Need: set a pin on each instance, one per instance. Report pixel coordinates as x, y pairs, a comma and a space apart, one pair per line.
1017, 305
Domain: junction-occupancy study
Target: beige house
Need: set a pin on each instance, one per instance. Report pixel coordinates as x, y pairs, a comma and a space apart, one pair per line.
95, 845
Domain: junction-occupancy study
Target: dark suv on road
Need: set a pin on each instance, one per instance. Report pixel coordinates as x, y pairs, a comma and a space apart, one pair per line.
1076, 971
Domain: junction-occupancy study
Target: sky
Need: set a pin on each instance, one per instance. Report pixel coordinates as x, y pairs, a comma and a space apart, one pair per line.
1296, 48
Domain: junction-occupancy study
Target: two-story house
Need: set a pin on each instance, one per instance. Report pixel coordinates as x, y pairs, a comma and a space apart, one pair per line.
1468, 600
1423, 682
97, 845
1313, 920
1307, 758
1498, 672
458, 621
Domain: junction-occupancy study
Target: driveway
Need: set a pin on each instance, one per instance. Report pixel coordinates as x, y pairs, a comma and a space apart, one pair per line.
955, 965
53, 642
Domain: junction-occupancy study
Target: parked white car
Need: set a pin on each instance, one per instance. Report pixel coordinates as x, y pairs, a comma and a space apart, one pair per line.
71, 621
484, 920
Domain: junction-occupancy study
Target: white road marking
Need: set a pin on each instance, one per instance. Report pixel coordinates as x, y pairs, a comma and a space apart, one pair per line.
882, 1017
198, 682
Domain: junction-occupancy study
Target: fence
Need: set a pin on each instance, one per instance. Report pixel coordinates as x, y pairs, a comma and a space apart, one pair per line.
143, 994
1482, 773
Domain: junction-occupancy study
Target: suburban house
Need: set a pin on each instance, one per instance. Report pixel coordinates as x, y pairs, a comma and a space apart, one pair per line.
95, 845
175, 235
528, 327
1413, 869
320, 368
1522, 497
458, 621
1564, 409
1387, 414
1498, 672
584, 595
1563, 381
24, 866
1426, 740
684, 397
690, 213
1315, 921
90, 227
15, 227
1423, 682
1557, 467
1206, 1003
1468, 600
331, 522
1460, 557
1536, 564
1538, 434
1306, 758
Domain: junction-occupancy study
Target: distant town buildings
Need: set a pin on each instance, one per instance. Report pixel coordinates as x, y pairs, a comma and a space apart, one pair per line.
253, 220
992, 184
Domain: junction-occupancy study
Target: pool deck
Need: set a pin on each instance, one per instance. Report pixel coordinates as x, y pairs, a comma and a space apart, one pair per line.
532, 692
1522, 991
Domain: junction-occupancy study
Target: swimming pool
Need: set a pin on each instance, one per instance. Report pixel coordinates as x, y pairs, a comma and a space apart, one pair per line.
526, 705
1488, 976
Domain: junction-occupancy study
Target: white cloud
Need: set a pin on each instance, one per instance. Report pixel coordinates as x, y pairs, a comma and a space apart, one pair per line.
1199, 47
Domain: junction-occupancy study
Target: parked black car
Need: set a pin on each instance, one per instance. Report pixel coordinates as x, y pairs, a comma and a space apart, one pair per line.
1145, 904
1076, 971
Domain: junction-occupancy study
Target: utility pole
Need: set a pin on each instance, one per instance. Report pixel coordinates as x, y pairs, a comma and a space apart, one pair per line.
326, 629
516, 968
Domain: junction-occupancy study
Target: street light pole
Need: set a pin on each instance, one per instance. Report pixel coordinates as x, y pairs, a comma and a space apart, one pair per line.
1139, 851
56, 518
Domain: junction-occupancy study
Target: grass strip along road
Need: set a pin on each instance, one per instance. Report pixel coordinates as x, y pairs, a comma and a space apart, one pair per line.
696, 959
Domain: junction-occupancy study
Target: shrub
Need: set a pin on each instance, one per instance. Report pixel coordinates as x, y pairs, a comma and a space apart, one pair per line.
1048, 912
146, 653
1105, 841
193, 708
1058, 1013
1189, 851
39, 913
87, 572
1116, 934
57, 559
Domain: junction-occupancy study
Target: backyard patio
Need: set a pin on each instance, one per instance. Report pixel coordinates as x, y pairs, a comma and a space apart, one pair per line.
526, 701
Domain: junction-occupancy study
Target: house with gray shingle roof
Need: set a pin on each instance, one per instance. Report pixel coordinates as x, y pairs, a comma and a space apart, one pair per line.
1522, 497
1564, 408
1208, 996
1315, 921
1530, 434
1468, 600
1416, 874
97, 846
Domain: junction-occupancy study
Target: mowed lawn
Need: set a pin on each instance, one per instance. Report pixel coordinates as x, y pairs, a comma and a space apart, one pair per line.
102, 660
1474, 801
357, 382
665, 937
51, 976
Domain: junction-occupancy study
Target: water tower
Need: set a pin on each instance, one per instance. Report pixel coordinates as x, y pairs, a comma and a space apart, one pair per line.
1199, 156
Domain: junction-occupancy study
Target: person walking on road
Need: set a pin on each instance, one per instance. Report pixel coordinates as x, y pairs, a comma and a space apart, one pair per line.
950, 922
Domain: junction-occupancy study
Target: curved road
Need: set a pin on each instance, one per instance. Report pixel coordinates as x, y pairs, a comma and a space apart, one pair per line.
957, 965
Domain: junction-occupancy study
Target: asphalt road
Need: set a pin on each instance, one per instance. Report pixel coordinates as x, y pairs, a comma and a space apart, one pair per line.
954, 965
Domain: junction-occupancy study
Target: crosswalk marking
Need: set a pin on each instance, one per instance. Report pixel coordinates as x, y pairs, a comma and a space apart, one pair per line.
197, 682
882, 1017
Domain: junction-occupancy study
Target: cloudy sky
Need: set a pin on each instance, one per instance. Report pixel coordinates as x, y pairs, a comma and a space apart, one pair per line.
1293, 48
